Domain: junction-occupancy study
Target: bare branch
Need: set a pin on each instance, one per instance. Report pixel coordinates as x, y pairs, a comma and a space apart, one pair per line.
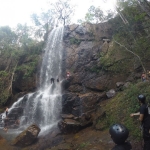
12, 77
131, 53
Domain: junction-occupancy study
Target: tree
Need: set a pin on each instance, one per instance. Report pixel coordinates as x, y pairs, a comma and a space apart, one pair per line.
24, 34
44, 22
145, 6
8, 38
63, 10
97, 15
133, 35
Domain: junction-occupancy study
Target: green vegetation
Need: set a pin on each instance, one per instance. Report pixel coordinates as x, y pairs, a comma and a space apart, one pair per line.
28, 69
118, 109
4, 85
75, 41
4, 97
18, 53
83, 145
94, 69
131, 33
3, 74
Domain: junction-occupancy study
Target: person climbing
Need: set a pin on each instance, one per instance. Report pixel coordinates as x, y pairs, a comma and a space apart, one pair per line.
143, 77
5, 128
57, 79
68, 75
144, 118
52, 80
119, 134
5, 125
6, 111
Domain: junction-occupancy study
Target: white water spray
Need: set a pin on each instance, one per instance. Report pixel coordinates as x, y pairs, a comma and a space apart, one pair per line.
43, 107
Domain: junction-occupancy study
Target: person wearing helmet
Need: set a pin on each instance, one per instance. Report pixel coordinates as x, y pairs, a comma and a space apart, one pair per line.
52, 80
68, 75
143, 77
119, 134
144, 118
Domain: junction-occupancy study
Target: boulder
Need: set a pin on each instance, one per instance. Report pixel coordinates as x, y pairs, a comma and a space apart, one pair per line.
111, 93
127, 84
27, 137
69, 126
67, 116
75, 124
119, 84
13, 116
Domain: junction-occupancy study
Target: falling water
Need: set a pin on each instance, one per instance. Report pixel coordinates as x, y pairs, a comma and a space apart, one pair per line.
43, 106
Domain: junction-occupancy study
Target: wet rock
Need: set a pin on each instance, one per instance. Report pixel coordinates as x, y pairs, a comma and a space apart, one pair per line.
71, 122
13, 116
27, 137
69, 126
67, 116
75, 124
69, 101
66, 83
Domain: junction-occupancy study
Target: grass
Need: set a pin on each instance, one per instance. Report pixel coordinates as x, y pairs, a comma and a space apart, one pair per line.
84, 145
118, 109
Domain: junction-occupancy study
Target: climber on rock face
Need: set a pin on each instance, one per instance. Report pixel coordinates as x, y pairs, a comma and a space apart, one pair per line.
57, 79
6, 111
68, 75
143, 77
52, 80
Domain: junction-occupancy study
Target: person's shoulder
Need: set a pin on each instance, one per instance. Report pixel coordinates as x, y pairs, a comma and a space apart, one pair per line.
125, 146
143, 106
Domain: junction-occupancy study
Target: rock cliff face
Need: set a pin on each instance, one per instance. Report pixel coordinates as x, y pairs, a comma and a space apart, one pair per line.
89, 82
84, 45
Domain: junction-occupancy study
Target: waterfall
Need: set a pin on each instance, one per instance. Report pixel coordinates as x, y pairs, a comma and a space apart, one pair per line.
43, 107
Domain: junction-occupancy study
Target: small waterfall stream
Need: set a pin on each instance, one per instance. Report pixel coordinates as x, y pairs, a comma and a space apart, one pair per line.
43, 107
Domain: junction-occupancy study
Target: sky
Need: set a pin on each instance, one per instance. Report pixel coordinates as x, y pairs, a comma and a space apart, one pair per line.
13, 12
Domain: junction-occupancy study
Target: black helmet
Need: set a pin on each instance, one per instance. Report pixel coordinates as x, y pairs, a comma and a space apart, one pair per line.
119, 133
142, 98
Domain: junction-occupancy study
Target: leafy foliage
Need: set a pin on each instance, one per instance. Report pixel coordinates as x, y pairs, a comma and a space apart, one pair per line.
4, 93
74, 40
8, 38
44, 23
97, 15
63, 11
132, 35
16, 48
29, 68
123, 104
